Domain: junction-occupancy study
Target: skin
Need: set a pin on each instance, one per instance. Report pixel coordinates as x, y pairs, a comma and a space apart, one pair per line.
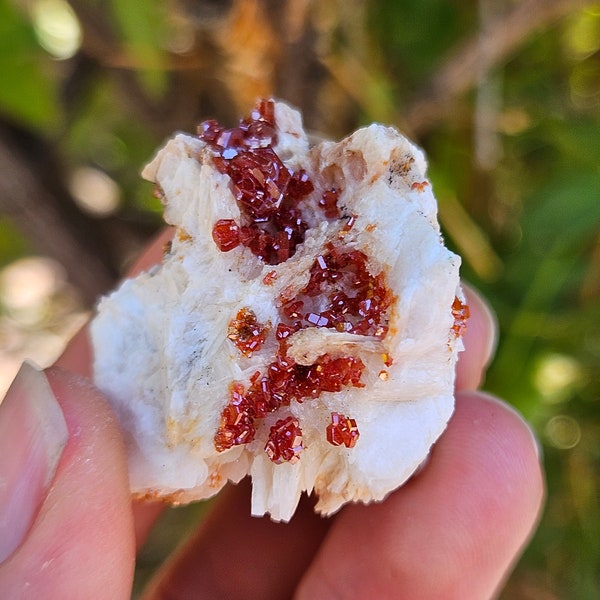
453, 531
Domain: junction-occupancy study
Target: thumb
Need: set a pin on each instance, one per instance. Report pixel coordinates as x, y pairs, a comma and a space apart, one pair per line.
66, 527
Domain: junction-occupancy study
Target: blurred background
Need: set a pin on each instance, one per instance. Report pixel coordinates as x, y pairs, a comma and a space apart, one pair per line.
504, 96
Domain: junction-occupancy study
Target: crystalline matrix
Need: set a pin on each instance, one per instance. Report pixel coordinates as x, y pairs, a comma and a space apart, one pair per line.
303, 327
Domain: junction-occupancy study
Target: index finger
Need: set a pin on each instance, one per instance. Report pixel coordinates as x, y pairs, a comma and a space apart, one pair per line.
77, 358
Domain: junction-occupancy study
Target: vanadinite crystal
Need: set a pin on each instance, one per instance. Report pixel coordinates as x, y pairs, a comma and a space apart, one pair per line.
285, 441
284, 382
269, 194
236, 426
328, 202
226, 234
341, 292
356, 301
342, 431
246, 332
461, 313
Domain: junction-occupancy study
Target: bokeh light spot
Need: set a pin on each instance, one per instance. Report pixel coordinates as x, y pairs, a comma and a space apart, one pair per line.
556, 376
563, 432
57, 28
94, 191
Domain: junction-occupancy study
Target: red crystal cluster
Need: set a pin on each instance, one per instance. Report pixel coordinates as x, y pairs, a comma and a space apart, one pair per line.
283, 382
269, 194
461, 313
237, 425
342, 431
355, 300
285, 441
328, 203
341, 292
246, 332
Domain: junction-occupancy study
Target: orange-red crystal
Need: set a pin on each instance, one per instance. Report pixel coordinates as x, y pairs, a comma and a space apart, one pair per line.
355, 300
269, 278
246, 332
342, 431
350, 221
328, 203
285, 441
226, 234
236, 426
461, 313
419, 186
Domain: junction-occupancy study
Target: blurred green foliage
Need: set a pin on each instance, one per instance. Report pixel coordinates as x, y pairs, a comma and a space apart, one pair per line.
29, 94
513, 144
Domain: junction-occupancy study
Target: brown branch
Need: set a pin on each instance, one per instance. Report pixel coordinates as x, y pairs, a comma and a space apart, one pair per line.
461, 71
299, 74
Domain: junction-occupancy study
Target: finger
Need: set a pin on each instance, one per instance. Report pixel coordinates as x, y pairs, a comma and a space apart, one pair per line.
454, 530
480, 342
77, 358
235, 555
79, 540
153, 254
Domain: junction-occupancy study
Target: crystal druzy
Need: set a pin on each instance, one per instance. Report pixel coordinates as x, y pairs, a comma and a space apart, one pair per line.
303, 327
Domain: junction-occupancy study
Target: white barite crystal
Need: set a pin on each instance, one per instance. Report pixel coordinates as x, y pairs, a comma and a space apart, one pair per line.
163, 358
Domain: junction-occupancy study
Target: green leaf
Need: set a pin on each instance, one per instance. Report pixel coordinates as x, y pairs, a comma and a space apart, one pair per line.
566, 214
28, 93
557, 231
12, 243
142, 26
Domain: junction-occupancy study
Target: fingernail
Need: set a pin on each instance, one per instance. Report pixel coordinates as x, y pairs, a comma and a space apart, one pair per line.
33, 434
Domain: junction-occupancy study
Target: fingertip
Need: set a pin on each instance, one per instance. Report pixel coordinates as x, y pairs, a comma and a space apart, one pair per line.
153, 252
234, 553
480, 341
510, 450
77, 356
474, 402
81, 543
454, 530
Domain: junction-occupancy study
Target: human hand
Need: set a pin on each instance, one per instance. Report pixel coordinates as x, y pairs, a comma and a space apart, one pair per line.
68, 528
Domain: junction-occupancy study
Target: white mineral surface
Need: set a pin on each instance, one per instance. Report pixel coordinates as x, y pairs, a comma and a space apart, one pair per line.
163, 358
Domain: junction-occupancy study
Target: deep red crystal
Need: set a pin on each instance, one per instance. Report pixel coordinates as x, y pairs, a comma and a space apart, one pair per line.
226, 234
269, 194
356, 301
285, 441
259, 182
342, 431
300, 185
236, 426
328, 203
